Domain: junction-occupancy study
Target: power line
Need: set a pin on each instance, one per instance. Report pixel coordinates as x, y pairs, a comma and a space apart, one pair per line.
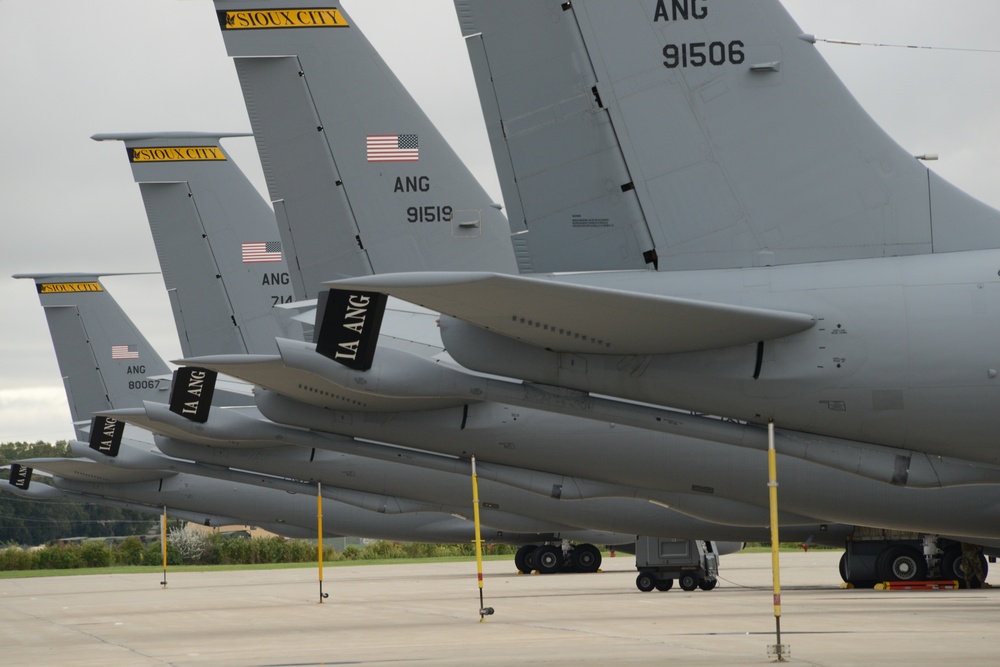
104, 521
50, 501
847, 42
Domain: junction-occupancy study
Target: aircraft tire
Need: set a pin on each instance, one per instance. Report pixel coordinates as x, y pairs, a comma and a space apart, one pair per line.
857, 583
663, 585
708, 584
549, 559
586, 558
901, 563
952, 567
531, 560
521, 557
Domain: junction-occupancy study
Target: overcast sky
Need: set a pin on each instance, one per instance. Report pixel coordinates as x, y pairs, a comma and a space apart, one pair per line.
69, 69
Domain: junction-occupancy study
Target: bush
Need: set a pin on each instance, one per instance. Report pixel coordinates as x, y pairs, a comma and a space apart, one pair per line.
233, 551
350, 552
16, 558
192, 547
94, 553
381, 550
301, 551
58, 557
153, 554
129, 552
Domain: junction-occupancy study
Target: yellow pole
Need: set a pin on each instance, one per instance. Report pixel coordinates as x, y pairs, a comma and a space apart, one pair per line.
772, 484
483, 611
319, 538
163, 544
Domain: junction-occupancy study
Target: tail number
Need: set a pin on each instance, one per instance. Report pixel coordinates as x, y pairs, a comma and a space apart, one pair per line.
699, 54
429, 214
143, 384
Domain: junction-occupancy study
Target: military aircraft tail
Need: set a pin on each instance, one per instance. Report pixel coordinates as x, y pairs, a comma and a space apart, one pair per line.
104, 360
216, 240
687, 134
360, 180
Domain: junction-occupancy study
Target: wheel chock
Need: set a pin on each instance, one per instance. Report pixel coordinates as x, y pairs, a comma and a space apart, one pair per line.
945, 585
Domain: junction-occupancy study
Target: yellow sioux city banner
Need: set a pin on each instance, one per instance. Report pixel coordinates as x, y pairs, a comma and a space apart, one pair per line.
255, 19
175, 154
59, 288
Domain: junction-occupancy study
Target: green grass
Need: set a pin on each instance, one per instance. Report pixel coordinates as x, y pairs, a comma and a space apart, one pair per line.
148, 569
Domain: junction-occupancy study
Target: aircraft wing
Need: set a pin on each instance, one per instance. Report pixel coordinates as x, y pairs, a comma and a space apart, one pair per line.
85, 470
577, 318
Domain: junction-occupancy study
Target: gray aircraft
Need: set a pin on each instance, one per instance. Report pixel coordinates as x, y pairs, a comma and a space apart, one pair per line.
195, 198
431, 163
107, 363
240, 440
714, 324
215, 502
865, 318
271, 451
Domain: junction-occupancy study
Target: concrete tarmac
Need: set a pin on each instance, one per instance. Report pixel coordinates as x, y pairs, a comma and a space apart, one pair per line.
427, 614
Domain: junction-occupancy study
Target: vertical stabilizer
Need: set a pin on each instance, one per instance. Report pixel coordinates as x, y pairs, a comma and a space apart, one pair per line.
360, 180
740, 145
105, 362
216, 240
570, 197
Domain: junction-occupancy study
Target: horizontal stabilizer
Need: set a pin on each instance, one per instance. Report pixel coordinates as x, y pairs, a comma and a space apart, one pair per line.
584, 319
84, 470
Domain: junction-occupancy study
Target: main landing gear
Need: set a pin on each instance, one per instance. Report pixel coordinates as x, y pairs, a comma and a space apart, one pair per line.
552, 558
884, 556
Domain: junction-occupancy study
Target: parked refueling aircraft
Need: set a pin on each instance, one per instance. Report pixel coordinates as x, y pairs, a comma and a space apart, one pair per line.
826, 280
427, 391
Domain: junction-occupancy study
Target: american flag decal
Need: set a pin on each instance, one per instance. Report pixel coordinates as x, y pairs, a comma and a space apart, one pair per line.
124, 351
392, 148
269, 251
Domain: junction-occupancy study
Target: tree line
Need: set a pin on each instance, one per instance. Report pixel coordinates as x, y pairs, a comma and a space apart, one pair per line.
31, 522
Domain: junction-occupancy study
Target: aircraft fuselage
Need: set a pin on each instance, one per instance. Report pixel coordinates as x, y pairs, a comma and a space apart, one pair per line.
902, 353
